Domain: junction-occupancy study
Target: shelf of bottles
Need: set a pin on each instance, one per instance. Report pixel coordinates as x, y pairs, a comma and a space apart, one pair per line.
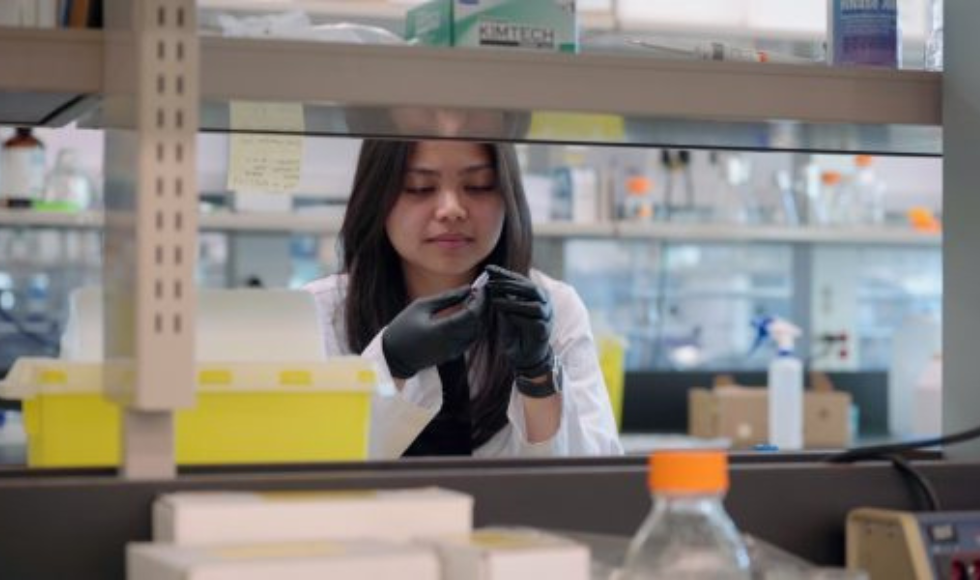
287, 223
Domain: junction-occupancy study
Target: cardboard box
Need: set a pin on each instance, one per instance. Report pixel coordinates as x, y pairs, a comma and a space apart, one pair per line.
280, 561
511, 554
198, 518
549, 25
741, 415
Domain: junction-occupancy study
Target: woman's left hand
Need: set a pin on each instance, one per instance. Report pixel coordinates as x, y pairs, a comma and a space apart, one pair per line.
525, 312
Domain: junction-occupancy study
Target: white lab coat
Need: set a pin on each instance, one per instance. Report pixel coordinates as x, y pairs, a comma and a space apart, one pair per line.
587, 426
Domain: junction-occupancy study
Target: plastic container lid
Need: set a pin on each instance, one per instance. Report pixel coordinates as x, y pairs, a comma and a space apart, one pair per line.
688, 471
30, 377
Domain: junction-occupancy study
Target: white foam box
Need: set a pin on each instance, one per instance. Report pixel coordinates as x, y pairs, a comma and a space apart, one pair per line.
198, 518
511, 554
280, 561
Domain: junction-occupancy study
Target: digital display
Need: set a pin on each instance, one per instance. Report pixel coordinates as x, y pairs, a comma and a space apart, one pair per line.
942, 533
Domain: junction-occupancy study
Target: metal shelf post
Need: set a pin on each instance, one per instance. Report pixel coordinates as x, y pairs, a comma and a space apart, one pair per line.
151, 107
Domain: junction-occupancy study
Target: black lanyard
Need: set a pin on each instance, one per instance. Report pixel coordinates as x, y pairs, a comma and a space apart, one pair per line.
450, 432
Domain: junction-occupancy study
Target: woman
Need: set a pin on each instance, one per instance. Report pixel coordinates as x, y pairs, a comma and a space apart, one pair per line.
509, 369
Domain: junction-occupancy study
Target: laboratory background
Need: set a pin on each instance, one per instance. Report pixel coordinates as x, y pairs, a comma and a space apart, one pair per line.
718, 212
677, 254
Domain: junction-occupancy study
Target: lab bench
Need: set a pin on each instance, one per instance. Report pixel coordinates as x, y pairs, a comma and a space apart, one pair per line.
86, 517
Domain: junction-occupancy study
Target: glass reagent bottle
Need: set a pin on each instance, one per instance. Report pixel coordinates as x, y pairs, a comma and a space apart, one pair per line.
688, 534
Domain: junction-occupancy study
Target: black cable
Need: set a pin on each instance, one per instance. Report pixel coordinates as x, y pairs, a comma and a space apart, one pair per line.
667, 161
919, 479
684, 161
894, 452
876, 451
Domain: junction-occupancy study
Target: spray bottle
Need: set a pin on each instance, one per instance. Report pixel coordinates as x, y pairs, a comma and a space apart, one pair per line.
785, 384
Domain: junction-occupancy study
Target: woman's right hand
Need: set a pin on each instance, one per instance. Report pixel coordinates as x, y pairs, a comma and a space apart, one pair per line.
422, 335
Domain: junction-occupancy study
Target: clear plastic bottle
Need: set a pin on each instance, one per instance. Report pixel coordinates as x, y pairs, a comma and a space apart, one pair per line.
836, 199
934, 46
688, 534
67, 185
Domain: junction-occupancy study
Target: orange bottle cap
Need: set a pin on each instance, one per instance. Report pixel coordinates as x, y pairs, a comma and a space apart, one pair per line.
688, 471
863, 160
638, 185
830, 177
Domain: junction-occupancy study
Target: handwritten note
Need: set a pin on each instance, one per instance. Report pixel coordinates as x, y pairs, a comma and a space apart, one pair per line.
261, 162
554, 125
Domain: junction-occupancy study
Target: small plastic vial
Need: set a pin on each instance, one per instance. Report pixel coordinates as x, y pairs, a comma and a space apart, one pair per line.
688, 534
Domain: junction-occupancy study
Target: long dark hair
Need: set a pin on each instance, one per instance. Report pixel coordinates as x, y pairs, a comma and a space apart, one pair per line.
376, 285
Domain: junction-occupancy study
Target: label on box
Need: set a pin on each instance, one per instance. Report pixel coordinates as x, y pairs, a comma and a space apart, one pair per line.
516, 34
542, 25
864, 32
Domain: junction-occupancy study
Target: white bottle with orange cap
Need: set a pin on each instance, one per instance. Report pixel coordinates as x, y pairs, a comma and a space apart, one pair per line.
869, 191
639, 198
688, 534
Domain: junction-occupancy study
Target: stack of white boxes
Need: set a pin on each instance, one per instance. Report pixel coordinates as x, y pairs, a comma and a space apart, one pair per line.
410, 534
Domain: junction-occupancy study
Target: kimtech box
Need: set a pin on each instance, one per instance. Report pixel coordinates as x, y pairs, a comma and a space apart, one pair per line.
431, 23
549, 25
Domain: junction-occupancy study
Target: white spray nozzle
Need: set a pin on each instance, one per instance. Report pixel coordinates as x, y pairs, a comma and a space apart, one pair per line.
784, 333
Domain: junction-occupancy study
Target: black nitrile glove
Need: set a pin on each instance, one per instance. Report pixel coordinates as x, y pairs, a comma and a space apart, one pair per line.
419, 337
525, 314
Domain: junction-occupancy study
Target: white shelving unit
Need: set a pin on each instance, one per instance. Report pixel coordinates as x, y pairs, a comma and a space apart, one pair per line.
520, 81
660, 102
363, 10
48, 77
53, 76
777, 234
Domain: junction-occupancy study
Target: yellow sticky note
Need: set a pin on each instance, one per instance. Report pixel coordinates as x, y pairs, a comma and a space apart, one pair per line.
577, 126
261, 162
285, 550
